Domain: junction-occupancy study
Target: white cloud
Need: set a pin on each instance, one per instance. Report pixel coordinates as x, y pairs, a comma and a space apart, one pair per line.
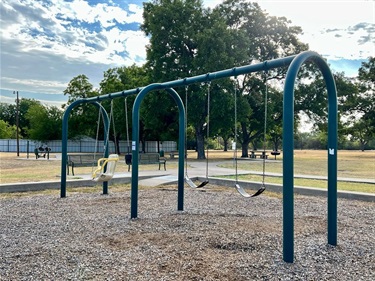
45, 44
319, 18
135, 45
37, 84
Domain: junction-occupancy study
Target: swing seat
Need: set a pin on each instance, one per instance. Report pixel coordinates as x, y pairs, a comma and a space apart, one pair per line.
203, 183
242, 191
105, 169
190, 182
247, 195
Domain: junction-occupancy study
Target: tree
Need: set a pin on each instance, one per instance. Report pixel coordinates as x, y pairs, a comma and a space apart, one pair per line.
362, 131
366, 99
7, 131
45, 122
188, 40
83, 117
260, 37
116, 80
173, 27
78, 88
8, 113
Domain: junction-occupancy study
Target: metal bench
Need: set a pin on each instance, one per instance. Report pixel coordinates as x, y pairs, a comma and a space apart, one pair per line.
80, 160
152, 158
172, 154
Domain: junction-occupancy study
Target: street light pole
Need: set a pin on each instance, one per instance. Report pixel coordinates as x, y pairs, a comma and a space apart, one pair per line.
17, 122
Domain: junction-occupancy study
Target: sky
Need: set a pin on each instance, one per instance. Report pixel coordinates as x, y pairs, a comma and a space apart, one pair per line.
45, 43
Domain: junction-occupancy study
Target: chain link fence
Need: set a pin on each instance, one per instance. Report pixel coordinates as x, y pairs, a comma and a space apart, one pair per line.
83, 146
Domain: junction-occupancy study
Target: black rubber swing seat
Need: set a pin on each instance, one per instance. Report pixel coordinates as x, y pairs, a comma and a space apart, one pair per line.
193, 185
190, 182
247, 195
202, 184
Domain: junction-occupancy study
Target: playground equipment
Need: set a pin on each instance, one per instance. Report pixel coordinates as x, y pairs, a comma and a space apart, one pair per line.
187, 179
293, 63
105, 166
206, 181
237, 185
128, 156
105, 169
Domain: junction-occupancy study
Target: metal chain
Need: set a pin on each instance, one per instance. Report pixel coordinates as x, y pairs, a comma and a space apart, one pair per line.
208, 124
114, 129
265, 132
186, 114
108, 129
127, 123
235, 127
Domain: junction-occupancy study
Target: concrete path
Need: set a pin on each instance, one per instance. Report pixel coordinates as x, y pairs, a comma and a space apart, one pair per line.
196, 171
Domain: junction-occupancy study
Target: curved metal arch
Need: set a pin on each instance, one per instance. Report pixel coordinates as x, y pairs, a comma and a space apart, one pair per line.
64, 141
135, 146
288, 151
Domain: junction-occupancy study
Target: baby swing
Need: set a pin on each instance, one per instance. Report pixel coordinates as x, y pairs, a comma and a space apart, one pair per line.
105, 166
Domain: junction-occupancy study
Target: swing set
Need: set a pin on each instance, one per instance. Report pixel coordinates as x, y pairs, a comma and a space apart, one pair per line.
294, 64
206, 181
105, 166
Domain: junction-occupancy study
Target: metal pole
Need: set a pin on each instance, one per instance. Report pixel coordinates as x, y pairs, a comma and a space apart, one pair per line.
181, 148
288, 151
17, 122
135, 148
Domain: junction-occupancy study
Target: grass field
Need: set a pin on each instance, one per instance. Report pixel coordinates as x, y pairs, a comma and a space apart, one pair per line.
351, 164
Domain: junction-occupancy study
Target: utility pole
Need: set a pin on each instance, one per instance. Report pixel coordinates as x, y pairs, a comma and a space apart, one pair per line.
17, 122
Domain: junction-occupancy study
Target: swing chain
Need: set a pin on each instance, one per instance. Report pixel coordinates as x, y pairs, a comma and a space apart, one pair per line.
208, 125
186, 119
108, 129
235, 125
265, 130
127, 123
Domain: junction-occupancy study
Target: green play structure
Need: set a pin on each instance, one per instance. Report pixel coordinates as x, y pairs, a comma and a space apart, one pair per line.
294, 64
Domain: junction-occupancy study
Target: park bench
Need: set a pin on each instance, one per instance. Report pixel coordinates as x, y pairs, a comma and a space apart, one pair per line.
262, 154
80, 160
172, 154
151, 158
42, 152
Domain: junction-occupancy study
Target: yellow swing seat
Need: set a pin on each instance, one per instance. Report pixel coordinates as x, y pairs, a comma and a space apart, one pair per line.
99, 175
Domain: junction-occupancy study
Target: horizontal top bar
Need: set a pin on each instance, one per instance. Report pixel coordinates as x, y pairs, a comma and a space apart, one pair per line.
235, 71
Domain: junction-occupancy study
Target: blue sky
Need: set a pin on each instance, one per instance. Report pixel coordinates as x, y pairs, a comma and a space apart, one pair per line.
45, 43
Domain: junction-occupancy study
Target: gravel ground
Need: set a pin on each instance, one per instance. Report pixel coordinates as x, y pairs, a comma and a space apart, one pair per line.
219, 236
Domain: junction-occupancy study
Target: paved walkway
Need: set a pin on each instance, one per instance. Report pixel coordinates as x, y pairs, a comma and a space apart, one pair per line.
198, 169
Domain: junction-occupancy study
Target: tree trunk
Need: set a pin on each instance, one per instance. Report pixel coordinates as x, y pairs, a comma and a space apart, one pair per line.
200, 143
225, 141
245, 149
117, 144
245, 141
363, 145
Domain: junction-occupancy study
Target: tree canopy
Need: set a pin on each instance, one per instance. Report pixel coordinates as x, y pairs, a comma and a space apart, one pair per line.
187, 39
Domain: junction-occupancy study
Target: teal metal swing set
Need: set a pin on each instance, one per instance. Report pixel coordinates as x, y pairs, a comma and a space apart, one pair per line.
294, 64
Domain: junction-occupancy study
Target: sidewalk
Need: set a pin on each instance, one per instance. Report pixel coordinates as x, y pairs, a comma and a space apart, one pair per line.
196, 171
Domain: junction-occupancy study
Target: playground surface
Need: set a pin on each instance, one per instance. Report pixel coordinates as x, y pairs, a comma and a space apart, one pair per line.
219, 236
